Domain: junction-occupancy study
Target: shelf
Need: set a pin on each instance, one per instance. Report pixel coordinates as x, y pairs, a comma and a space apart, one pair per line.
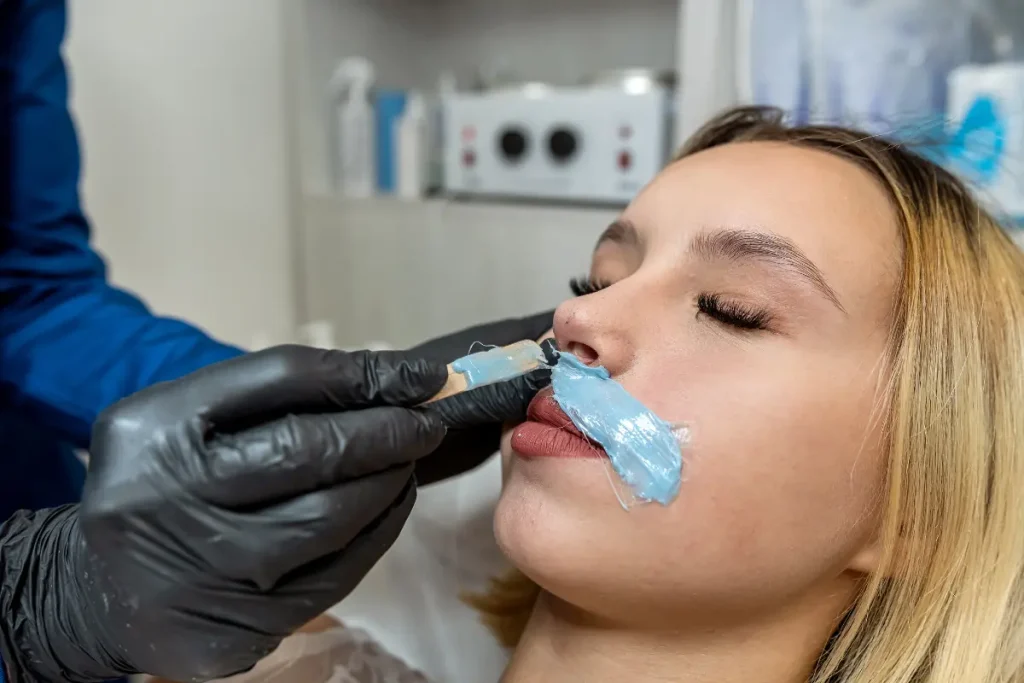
506, 208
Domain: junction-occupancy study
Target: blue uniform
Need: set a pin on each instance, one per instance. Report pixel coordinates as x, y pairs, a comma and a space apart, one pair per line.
70, 343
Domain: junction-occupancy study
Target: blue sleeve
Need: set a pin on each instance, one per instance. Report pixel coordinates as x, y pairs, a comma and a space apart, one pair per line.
70, 343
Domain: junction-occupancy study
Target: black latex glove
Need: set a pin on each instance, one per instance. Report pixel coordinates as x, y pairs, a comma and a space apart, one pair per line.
225, 510
475, 417
221, 513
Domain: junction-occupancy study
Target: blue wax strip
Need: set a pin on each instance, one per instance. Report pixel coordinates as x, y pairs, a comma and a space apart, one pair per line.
500, 364
642, 447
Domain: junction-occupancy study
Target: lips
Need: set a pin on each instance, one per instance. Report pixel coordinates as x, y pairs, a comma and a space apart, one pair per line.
549, 433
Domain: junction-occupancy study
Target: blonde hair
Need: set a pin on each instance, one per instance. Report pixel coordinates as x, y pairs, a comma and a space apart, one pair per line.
947, 602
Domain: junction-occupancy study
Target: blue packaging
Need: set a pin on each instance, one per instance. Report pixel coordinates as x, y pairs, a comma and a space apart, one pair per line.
986, 128
389, 106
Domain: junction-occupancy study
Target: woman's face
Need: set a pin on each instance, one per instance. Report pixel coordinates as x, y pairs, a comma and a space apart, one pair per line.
750, 294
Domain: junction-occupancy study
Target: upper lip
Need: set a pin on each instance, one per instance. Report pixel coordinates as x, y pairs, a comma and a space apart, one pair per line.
543, 408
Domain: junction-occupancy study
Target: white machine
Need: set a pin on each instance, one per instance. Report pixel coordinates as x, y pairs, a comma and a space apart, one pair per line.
597, 144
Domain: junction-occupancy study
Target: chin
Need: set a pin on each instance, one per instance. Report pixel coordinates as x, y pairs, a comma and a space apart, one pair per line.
532, 527
555, 529
522, 519
558, 521
571, 560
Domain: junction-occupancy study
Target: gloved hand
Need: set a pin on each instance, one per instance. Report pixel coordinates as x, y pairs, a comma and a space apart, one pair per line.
474, 418
222, 511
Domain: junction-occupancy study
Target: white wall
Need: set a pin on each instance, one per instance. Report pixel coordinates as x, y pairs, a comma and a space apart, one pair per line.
559, 41
181, 114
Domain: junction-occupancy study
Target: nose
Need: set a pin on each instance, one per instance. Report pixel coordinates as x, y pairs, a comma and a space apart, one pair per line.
596, 329
587, 354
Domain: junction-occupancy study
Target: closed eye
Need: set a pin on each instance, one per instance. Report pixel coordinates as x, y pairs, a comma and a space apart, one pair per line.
732, 313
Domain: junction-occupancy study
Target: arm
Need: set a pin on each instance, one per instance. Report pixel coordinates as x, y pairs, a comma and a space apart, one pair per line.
70, 343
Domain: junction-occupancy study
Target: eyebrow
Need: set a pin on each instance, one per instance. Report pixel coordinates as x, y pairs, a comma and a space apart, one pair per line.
620, 231
736, 245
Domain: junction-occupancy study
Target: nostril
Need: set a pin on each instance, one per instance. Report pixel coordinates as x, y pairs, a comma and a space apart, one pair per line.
585, 353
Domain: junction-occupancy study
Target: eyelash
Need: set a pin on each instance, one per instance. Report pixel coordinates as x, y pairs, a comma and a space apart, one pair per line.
735, 315
730, 313
581, 286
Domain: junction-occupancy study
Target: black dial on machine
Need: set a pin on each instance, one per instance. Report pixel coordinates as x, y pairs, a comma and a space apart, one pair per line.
513, 143
562, 143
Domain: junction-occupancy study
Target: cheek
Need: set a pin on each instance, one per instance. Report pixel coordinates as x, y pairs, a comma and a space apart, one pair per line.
782, 455
794, 482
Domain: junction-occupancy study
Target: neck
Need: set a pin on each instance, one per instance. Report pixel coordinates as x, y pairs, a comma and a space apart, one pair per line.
563, 644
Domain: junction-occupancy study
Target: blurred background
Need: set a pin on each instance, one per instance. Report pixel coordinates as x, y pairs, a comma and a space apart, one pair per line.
358, 173
368, 173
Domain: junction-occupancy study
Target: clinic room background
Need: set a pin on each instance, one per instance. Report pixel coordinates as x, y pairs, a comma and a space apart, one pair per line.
357, 173
209, 131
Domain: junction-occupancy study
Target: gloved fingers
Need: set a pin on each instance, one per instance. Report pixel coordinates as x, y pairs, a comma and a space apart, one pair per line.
461, 451
264, 545
257, 387
494, 403
335, 576
452, 346
303, 453
299, 379
474, 419
312, 588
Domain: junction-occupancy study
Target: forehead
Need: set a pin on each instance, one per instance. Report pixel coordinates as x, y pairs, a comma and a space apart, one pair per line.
830, 208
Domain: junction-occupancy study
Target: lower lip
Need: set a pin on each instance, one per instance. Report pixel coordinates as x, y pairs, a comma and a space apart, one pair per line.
540, 440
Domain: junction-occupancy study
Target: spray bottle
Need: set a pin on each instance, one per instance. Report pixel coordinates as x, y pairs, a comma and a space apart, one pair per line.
354, 128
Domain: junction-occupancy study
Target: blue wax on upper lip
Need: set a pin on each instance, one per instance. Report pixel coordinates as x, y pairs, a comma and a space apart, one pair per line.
500, 364
642, 447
